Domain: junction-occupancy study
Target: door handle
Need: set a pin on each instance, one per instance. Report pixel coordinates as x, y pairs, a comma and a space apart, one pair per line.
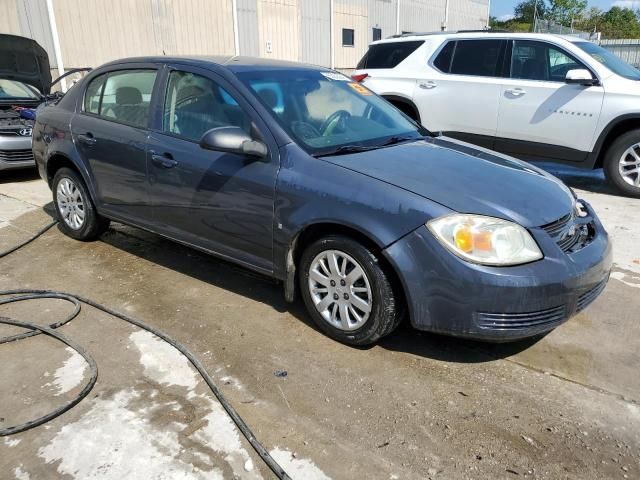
516, 92
165, 161
87, 138
428, 85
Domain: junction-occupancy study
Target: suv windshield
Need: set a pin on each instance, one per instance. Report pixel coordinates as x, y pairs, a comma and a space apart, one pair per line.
10, 89
326, 113
609, 60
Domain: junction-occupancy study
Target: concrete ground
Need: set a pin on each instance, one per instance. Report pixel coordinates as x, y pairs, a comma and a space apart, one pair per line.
416, 405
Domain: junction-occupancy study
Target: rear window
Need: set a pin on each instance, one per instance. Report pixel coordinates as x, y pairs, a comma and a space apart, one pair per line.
481, 58
388, 55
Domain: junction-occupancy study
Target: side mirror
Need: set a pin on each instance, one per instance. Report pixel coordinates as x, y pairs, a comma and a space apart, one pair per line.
232, 140
580, 76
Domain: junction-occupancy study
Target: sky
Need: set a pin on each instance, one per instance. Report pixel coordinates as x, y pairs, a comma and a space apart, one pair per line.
504, 8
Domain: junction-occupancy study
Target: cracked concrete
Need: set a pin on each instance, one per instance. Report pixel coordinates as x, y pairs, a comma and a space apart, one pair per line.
415, 406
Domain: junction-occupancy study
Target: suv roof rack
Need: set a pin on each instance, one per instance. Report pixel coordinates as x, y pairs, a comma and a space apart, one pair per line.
446, 32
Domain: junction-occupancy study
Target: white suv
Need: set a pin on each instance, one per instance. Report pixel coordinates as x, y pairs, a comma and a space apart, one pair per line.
534, 96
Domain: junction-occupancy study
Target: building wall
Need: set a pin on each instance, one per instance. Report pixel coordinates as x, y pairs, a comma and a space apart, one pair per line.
92, 32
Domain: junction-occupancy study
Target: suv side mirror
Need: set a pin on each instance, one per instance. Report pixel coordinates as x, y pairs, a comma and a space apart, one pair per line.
580, 76
232, 140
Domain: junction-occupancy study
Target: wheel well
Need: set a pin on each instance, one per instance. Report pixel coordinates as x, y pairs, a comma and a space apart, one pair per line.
55, 163
405, 106
313, 232
619, 129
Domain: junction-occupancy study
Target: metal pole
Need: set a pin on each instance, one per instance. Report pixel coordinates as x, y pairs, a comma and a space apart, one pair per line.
236, 34
332, 35
445, 26
56, 44
398, 17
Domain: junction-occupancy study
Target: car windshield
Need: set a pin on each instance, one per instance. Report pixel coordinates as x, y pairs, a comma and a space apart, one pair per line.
10, 89
610, 60
326, 113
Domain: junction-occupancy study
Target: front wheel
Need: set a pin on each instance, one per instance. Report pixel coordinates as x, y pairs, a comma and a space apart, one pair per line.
347, 291
76, 213
622, 163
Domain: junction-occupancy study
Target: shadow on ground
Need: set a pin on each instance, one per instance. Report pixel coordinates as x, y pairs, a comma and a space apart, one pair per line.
20, 175
232, 278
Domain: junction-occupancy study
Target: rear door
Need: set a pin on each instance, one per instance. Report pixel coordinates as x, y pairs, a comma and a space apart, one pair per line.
459, 95
219, 201
111, 132
541, 116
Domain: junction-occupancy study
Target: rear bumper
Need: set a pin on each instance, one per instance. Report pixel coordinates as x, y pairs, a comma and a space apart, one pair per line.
449, 295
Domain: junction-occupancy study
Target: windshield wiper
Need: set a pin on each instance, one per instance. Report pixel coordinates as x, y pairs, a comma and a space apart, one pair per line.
397, 139
345, 150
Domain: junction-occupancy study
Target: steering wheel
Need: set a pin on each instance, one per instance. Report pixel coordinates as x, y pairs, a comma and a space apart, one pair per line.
336, 118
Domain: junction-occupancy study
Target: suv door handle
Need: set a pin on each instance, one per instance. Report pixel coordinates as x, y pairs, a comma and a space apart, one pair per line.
516, 92
87, 138
428, 85
165, 161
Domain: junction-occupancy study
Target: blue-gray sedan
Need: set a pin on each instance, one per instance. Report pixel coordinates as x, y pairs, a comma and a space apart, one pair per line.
299, 173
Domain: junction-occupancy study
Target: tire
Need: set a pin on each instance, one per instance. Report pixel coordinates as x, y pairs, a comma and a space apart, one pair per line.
75, 210
612, 164
372, 288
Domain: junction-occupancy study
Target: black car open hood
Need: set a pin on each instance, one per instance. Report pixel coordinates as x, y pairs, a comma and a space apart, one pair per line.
24, 60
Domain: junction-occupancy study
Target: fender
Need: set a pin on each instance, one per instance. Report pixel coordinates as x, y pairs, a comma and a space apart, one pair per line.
614, 128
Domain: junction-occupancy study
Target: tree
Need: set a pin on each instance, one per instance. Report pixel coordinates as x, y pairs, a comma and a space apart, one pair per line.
565, 12
524, 11
620, 23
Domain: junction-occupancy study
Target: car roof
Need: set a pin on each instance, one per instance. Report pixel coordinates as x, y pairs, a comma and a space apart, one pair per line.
233, 63
413, 36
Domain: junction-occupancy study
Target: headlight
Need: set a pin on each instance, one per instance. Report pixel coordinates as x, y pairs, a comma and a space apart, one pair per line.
485, 240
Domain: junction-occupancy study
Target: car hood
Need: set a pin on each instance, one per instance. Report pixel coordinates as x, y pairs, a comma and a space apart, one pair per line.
467, 179
24, 60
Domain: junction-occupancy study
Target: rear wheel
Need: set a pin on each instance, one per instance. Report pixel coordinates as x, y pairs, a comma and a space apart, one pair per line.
347, 291
622, 163
76, 213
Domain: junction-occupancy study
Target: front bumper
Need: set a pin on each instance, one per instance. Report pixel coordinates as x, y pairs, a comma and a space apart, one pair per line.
15, 152
448, 295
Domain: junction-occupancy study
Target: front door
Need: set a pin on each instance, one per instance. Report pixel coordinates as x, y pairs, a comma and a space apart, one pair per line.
541, 116
111, 134
219, 201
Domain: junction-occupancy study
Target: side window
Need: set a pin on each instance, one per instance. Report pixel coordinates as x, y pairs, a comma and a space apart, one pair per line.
480, 58
126, 96
533, 60
93, 95
443, 60
195, 104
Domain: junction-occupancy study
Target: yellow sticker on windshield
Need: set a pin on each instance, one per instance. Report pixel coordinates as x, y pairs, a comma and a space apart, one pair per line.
360, 89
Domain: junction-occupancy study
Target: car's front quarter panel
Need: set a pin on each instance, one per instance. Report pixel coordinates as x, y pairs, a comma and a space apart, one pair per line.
313, 191
621, 102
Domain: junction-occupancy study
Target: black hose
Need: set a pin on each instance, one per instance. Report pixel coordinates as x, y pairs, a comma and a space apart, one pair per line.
37, 330
22, 295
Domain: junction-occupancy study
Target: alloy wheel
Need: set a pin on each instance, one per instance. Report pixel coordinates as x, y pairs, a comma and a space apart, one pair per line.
629, 165
70, 203
340, 290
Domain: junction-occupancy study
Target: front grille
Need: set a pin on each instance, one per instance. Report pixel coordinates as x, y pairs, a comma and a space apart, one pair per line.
16, 155
521, 321
586, 298
569, 234
9, 133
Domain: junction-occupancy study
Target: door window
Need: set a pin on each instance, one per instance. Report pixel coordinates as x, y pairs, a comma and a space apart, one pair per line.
480, 58
195, 104
125, 96
533, 60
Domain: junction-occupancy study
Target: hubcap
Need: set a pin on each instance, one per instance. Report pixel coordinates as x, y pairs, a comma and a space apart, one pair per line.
629, 166
340, 290
70, 203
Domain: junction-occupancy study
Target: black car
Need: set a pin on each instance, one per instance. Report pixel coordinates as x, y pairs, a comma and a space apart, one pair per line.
299, 173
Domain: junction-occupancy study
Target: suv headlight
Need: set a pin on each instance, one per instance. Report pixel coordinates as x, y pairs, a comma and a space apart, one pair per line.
485, 240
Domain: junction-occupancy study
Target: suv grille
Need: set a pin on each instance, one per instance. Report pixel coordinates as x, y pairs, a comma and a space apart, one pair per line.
16, 155
568, 234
